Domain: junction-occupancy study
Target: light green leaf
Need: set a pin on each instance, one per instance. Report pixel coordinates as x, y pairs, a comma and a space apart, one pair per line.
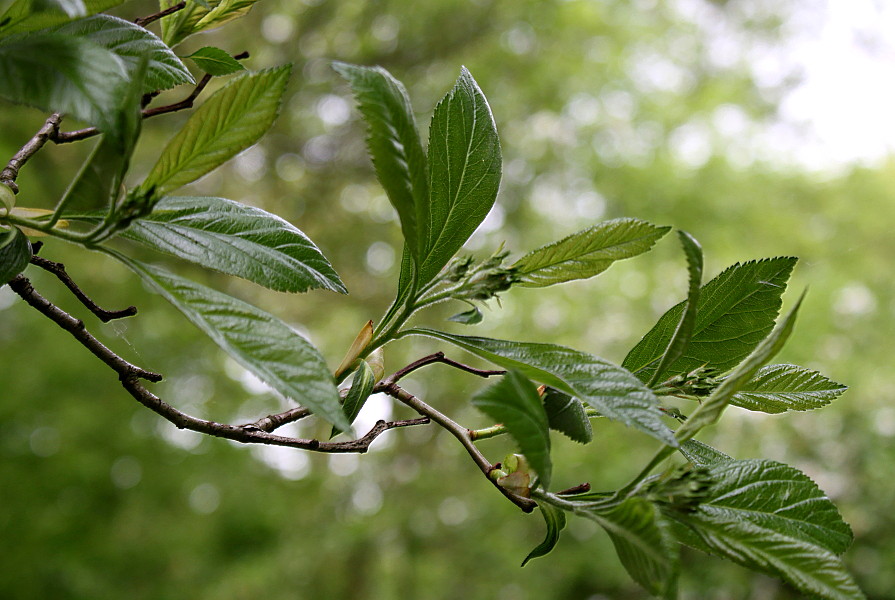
394, 144
230, 121
200, 16
464, 174
15, 253
132, 44
588, 252
361, 388
702, 454
259, 341
555, 519
779, 388
30, 15
215, 61
611, 390
566, 414
680, 339
63, 74
238, 240
644, 544
514, 401
710, 410
469, 317
736, 310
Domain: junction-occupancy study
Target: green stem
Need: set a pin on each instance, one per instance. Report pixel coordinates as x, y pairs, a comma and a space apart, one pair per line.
78, 238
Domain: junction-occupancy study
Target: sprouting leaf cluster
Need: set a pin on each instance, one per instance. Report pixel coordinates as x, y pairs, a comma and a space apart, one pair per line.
711, 350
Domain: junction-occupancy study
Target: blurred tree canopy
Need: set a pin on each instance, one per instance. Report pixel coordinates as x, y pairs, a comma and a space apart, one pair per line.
605, 109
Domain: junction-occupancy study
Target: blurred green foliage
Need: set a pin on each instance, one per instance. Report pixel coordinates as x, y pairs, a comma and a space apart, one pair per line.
605, 109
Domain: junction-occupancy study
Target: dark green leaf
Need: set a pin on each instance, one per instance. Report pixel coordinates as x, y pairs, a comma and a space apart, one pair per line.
260, 342
588, 252
30, 15
64, 74
200, 15
644, 544
132, 44
779, 388
556, 522
361, 388
230, 121
238, 240
464, 174
702, 454
469, 317
680, 339
394, 144
736, 310
611, 390
215, 61
15, 252
514, 401
566, 414
710, 410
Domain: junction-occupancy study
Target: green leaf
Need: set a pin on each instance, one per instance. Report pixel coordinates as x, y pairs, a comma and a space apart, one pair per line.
63, 74
710, 410
132, 44
361, 388
566, 414
680, 339
469, 317
238, 240
15, 253
259, 341
200, 16
230, 121
701, 454
555, 519
779, 388
464, 174
644, 544
736, 310
514, 401
588, 252
611, 390
394, 144
30, 15
215, 61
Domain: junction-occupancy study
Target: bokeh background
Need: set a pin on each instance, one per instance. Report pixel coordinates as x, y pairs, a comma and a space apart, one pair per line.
690, 113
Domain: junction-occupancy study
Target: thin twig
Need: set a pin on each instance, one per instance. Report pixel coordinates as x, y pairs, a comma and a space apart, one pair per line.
459, 432
49, 129
144, 21
272, 422
438, 357
58, 269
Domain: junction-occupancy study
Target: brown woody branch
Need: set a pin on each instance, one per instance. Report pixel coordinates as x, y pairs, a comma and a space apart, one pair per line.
438, 357
58, 269
144, 21
10, 172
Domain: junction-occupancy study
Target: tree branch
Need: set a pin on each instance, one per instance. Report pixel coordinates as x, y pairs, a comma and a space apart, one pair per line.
438, 357
58, 269
144, 21
459, 432
49, 129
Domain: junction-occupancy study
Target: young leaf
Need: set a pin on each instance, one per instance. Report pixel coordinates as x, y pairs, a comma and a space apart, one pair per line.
514, 401
215, 61
644, 544
608, 388
779, 388
680, 339
394, 144
238, 240
710, 410
199, 15
132, 44
230, 121
361, 388
588, 252
15, 253
701, 454
259, 341
30, 15
566, 414
63, 74
555, 519
469, 317
736, 310
464, 174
